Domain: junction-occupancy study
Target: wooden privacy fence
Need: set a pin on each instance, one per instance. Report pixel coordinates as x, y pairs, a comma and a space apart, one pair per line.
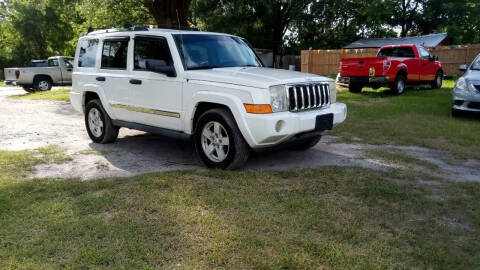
326, 62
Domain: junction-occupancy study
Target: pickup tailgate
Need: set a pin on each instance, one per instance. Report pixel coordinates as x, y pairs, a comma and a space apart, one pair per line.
10, 74
361, 67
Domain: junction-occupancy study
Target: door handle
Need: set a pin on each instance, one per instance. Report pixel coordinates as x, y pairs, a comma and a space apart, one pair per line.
69, 69
424, 63
101, 79
133, 81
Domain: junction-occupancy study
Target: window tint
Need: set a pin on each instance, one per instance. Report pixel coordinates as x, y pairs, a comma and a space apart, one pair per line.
114, 55
53, 63
68, 62
397, 52
476, 64
155, 51
36, 63
88, 53
423, 53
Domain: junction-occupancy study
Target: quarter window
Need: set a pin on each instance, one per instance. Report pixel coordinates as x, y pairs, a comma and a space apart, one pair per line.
114, 55
151, 51
88, 52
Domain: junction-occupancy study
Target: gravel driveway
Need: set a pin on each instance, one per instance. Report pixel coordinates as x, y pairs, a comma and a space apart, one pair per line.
27, 124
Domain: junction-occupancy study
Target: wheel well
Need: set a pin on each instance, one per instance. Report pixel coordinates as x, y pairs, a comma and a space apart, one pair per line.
90, 96
440, 70
42, 76
402, 72
203, 107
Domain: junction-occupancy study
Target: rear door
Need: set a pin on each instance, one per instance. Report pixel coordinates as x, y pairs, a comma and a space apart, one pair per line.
114, 75
406, 56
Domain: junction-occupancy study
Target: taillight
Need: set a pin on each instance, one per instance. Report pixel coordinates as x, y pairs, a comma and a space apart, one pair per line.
17, 73
386, 64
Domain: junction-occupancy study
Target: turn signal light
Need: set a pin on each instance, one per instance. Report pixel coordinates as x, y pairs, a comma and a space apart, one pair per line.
17, 73
258, 108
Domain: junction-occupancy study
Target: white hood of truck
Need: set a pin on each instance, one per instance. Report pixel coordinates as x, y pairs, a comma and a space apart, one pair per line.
253, 76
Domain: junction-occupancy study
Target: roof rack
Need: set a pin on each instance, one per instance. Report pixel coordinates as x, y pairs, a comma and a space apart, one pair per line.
129, 26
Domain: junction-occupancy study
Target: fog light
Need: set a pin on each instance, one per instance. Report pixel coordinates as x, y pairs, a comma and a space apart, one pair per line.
279, 125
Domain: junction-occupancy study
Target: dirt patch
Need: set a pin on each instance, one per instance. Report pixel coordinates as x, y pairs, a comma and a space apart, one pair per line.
26, 124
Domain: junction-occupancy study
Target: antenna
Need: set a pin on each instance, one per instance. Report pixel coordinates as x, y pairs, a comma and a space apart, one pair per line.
178, 19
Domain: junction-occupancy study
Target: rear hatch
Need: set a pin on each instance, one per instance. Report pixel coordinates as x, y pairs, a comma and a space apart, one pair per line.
10, 74
362, 67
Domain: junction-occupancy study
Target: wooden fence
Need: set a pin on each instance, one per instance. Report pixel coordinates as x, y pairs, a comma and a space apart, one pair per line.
326, 62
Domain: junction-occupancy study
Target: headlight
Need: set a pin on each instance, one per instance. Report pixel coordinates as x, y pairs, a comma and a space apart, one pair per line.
464, 85
333, 92
461, 84
278, 98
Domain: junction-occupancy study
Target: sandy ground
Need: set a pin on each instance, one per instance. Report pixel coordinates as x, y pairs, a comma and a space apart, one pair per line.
26, 124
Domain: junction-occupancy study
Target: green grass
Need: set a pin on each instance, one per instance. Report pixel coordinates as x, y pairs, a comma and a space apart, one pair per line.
54, 95
333, 218
2, 83
420, 117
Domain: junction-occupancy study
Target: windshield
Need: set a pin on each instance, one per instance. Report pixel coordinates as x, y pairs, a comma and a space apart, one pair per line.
199, 51
476, 64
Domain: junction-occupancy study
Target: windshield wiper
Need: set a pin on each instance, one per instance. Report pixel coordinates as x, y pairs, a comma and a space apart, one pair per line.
204, 67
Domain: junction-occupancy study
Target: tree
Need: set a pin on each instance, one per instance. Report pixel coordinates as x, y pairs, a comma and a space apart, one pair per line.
169, 13
264, 23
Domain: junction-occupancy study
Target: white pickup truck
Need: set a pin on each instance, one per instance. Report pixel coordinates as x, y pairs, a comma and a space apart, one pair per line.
39, 77
208, 87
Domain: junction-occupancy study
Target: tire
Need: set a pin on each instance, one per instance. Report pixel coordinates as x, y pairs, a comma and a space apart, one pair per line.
29, 89
219, 142
42, 83
307, 144
437, 83
95, 112
355, 87
398, 87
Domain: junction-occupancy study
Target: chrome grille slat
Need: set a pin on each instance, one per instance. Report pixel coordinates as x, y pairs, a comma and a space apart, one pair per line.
308, 96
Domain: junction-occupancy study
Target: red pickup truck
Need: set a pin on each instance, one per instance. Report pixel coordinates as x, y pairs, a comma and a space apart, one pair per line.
394, 66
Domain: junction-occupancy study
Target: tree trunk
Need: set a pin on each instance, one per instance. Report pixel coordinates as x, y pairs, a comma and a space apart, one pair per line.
169, 13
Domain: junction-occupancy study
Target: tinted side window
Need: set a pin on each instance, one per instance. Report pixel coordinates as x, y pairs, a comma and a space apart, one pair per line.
153, 51
423, 53
405, 52
53, 63
114, 55
88, 53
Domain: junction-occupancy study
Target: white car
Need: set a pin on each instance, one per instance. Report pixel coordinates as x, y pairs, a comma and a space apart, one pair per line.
41, 75
208, 87
466, 93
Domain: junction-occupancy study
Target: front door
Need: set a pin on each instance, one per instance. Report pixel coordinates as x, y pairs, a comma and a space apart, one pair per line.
155, 98
427, 72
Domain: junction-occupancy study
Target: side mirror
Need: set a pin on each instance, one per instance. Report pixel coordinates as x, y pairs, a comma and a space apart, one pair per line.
160, 66
462, 67
436, 58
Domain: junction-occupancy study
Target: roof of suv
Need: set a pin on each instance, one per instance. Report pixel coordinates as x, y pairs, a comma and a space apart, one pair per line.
150, 31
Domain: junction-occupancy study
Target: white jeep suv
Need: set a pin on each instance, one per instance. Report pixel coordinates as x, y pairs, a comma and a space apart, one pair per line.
208, 87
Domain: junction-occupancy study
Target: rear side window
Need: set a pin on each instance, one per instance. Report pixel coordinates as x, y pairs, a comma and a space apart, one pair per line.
88, 52
397, 52
114, 55
53, 63
151, 51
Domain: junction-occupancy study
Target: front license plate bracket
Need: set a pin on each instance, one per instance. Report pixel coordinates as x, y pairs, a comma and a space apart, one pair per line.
324, 122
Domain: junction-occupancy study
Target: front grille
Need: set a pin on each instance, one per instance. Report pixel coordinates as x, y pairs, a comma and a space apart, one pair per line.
308, 96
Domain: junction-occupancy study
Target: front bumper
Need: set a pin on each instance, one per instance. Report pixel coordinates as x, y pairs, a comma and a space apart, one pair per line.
466, 100
272, 129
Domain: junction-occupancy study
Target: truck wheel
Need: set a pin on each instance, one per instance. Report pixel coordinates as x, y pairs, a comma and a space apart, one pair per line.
307, 144
355, 87
42, 83
219, 142
398, 87
99, 125
437, 83
29, 89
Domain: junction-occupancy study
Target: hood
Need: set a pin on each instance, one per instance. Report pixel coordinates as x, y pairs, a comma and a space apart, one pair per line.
257, 77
